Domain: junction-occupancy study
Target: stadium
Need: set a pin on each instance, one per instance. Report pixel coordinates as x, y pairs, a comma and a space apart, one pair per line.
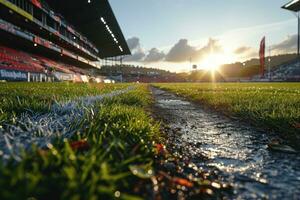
39, 41
43, 41
86, 113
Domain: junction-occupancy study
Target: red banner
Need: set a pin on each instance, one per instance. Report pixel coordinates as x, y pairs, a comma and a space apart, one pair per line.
37, 3
37, 40
41, 41
262, 51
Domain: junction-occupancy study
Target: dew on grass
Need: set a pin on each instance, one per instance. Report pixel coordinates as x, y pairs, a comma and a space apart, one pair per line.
117, 194
40, 129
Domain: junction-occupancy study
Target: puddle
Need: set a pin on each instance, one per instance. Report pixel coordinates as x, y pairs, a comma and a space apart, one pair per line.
237, 150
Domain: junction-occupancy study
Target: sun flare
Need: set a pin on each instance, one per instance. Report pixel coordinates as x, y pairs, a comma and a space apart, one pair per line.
213, 62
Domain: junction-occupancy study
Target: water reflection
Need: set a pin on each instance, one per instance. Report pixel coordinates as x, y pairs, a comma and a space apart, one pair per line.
237, 150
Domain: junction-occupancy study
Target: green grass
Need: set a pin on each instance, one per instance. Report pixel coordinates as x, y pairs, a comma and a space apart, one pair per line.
275, 106
16, 98
120, 137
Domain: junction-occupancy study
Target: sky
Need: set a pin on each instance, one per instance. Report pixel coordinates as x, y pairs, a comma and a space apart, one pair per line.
174, 34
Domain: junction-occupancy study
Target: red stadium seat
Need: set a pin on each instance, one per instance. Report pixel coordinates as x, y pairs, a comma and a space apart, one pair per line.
11, 59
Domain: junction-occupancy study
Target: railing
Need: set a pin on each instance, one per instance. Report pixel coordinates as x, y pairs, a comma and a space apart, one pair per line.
8, 27
66, 25
56, 18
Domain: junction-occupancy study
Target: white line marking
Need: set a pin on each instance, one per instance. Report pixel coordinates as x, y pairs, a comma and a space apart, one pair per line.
41, 129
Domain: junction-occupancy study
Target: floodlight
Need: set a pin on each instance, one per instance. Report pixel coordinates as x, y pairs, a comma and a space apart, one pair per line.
292, 6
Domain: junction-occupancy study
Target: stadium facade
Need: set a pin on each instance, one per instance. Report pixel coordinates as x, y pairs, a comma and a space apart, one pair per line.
48, 40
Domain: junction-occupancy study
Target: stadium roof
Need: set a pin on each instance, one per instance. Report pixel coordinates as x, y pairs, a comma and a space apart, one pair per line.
96, 20
293, 5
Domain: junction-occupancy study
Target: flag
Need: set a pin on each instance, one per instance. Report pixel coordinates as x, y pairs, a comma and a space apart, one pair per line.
262, 50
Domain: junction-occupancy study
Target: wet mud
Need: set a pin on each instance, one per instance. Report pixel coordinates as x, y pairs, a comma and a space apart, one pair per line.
235, 151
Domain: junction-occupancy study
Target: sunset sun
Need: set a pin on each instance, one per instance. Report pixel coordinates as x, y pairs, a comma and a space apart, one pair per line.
213, 62
173, 99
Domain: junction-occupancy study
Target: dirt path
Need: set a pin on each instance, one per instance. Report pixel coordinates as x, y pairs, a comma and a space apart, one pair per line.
237, 150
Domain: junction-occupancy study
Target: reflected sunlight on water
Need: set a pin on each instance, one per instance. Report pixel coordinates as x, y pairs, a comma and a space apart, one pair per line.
237, 150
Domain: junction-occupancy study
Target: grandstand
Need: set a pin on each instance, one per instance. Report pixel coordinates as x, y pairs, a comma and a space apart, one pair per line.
63, 40
289, 71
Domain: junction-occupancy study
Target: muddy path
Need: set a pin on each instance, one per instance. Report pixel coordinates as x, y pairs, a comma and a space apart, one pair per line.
237, 150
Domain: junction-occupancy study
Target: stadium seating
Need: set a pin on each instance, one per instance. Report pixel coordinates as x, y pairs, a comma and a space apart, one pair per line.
49, 64
287, 71
11, 59
15, 60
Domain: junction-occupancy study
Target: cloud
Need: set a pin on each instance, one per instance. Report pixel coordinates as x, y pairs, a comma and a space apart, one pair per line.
245, 52
242, 50
136, 56
182, 51
154, 55
212, 47
286, 46
253, 53
138, 53
133, 43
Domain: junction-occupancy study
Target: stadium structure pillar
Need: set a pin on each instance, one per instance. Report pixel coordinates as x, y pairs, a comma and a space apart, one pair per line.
298, 46
121, 60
